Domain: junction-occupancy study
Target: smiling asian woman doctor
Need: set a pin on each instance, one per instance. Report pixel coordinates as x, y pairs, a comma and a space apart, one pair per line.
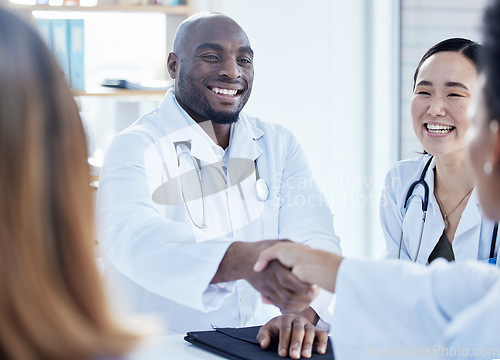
429, 208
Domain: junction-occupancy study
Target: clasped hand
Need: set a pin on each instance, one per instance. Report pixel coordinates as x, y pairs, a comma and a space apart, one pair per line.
275, 282
276, 277
311, 266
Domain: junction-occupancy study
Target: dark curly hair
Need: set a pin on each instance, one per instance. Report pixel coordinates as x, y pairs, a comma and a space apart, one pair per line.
491, 58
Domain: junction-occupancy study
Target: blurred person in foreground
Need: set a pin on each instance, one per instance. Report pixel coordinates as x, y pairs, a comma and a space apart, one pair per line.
52, 304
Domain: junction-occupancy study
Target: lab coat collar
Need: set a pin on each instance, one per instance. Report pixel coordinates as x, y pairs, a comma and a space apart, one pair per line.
242, 143
470, 224
181, 128
471, 218
243, 149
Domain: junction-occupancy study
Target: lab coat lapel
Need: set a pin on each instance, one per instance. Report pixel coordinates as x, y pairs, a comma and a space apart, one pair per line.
243, 150
470, 221
177, 124
471, 215
202, 147
181, 128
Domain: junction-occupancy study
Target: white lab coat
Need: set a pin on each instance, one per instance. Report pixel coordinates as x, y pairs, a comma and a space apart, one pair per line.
472, 237
399, 310
157, 260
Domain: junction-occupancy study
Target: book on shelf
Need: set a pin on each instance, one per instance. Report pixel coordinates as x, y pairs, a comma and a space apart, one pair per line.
65, 38
76, 54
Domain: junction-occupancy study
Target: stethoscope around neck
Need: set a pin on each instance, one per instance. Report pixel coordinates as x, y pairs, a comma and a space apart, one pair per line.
261, 188
425, 204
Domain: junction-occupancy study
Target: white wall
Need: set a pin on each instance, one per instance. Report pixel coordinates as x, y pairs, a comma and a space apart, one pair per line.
328, 71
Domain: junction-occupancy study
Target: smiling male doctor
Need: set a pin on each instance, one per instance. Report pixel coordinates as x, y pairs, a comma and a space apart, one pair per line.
180, 215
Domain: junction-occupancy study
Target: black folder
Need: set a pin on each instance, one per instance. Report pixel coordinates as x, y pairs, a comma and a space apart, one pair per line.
242, 344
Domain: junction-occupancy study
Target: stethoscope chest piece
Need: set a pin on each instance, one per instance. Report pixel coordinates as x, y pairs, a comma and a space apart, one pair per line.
262, 189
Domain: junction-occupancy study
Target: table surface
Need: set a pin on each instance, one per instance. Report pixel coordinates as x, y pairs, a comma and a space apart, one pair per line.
170, 347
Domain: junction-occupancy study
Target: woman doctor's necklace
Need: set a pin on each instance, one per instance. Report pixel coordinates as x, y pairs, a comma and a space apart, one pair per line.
445, 216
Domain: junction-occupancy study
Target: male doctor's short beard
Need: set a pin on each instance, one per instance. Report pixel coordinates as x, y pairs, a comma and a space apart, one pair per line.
192, 96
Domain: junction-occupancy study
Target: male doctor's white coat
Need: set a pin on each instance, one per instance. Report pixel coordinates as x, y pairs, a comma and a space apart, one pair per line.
472, 237
157, 259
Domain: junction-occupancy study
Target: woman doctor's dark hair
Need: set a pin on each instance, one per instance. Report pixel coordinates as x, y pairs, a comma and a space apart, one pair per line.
52, 302
468, 48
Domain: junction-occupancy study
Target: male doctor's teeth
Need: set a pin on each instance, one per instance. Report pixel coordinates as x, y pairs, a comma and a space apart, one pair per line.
225, 91
439, 129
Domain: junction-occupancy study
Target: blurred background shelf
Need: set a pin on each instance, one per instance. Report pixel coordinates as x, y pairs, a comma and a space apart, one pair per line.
117, 92
168, 10
122, 39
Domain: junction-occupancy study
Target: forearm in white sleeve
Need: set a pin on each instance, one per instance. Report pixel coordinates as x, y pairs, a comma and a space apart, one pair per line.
389, 304
161, 255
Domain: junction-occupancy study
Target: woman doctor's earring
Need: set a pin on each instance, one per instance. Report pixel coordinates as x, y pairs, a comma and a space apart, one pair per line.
494, 126
488, 165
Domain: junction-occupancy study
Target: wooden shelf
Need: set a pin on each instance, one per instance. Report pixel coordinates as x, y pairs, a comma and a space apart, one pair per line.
169, 10
103, 91
177, 13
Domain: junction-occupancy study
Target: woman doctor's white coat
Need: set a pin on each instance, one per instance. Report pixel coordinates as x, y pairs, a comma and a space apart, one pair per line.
157, 259
472, 237
442, 311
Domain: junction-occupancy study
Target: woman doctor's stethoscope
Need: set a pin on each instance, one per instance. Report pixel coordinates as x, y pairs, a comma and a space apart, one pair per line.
424, 199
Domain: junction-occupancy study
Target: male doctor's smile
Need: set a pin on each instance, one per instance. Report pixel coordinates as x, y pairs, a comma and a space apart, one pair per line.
228, 95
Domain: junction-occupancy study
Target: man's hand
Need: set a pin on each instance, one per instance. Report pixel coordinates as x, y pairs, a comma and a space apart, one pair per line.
295, 334
276, 283
309, 265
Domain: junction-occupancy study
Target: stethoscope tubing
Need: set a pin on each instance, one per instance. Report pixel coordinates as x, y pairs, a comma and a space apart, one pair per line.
425, 203
197, 168
261, 188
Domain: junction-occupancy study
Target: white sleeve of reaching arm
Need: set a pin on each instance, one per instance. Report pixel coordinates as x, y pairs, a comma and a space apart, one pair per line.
384, 305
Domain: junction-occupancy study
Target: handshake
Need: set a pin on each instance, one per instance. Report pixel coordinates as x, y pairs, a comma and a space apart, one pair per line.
287, 275
288, 271
282, 271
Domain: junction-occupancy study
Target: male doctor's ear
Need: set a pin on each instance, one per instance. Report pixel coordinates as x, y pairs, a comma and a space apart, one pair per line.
172, 65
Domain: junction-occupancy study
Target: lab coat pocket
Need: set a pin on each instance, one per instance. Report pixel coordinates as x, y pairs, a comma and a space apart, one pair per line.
270, 218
